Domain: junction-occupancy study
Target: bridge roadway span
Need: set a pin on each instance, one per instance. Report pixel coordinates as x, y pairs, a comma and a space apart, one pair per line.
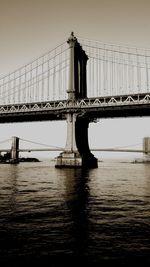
92, 149
92, 108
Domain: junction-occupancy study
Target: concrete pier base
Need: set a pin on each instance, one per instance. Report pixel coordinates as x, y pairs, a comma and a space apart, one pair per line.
89, 161
74, 160
77, 152
68, 160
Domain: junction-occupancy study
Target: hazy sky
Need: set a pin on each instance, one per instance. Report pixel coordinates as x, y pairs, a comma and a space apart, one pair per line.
29, 28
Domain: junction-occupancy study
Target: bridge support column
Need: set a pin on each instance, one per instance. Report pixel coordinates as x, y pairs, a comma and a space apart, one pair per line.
77, 152
146, 145
15, 150
70, 157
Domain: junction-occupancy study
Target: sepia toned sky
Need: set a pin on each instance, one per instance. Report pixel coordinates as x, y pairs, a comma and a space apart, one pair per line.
28, 28
31, 27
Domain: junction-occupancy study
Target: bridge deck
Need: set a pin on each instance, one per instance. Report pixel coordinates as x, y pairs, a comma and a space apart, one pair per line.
101, 107
60, 149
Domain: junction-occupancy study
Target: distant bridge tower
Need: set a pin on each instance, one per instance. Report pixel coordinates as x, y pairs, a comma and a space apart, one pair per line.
77, 152
15, 150
146, 145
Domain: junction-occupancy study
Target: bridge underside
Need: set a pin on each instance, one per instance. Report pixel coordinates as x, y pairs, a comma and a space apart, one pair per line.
119, 111
33, 116
89, 112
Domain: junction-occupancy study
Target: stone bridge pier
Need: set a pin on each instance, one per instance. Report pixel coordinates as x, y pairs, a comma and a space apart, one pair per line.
77, 152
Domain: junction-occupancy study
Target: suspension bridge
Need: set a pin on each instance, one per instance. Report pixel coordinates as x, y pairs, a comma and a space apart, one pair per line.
78, 81
16, 145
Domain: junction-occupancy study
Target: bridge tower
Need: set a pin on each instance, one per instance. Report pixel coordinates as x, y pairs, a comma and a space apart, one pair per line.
146, 145
77, 152
14, 150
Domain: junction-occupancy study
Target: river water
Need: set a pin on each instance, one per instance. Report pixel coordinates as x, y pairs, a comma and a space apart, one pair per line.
66, 217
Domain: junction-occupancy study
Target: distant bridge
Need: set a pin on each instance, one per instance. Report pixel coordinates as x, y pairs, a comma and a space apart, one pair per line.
16, 149
59, 149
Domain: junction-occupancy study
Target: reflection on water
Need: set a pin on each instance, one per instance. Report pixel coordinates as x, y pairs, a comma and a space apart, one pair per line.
57, 217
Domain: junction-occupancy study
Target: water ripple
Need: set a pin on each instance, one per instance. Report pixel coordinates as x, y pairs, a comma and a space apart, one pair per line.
71, 216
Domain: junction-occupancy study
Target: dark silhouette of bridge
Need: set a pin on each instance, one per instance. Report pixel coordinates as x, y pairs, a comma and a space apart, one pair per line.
78, 81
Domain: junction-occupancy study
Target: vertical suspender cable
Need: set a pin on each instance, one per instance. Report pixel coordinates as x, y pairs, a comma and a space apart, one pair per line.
138, 72
59, 74
42, 82
54, 73
48, 83
129, 72
93, 80
25, 85
9, 87
35, 82
19, 87
121, 72
89, 78
104, 70
112, 81
125, 74
30, 85
146, 69
99, 73
65, 75
97, 70
14, 86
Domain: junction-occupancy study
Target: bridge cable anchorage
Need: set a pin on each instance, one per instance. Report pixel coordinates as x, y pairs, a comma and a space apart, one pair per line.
37, 143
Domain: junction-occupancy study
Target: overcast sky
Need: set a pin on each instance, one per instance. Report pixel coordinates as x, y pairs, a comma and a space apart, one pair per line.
31, 27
